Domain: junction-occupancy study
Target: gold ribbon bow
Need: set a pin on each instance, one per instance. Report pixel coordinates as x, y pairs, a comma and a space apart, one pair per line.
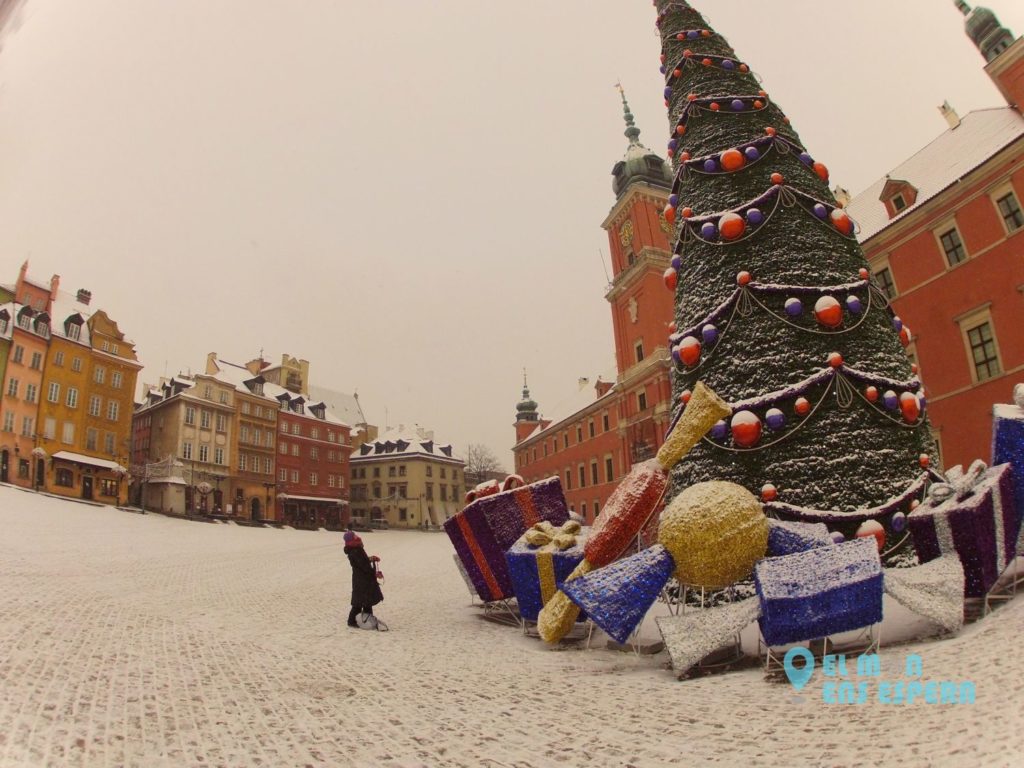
544, 533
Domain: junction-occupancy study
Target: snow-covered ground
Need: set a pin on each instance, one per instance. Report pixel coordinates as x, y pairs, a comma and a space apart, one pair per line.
147, 641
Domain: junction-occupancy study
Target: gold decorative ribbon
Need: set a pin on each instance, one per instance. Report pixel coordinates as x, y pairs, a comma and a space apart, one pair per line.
544, 533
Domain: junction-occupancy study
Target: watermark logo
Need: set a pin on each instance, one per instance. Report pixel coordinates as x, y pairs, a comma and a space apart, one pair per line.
842, 687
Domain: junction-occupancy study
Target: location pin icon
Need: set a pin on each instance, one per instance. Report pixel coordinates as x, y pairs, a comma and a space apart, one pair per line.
798, 676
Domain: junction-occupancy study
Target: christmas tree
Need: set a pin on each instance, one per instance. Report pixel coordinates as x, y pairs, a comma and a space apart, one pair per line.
775, 308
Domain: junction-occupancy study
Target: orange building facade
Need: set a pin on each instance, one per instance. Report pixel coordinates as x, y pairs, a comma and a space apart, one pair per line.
613, 425
944, 234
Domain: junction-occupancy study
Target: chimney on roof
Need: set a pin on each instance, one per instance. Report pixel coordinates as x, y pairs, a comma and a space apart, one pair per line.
54, 285
83, 296
950, 114
842, 196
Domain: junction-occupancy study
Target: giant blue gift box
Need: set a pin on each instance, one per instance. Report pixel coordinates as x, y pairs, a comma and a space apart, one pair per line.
1008, 448
819, 592
538, 572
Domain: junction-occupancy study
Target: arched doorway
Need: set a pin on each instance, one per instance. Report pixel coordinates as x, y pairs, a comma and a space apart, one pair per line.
254, 508
4, 465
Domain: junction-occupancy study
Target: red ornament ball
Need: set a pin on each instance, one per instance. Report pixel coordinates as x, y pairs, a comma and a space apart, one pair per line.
680, 36
684, 157
828, 311
680, 129
742, 278
910, 407
706, 62
841, 221
676, 72
821, 170
662, 58
687, 212
746, 429
744, 68
863, 272
691, 96
687, 53
924, 460
769, 131
689, 350
905, 336
684, 396
758, 104
732, 160
835, 359
705, 33
732, 226
802, 406
872, 528
871, 393
913, 367
714, 106
769, 492
671, 278
672, 327
777, 178
670, 214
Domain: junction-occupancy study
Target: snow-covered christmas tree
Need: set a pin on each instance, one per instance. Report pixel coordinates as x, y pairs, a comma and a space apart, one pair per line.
776, 310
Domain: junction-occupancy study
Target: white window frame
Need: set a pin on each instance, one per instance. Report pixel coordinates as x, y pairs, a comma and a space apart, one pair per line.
969, 321
996, 195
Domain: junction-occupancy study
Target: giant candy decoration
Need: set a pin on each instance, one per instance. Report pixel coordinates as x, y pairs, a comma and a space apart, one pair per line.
972, 516
632, 503
710, 535
488, 526
819, 592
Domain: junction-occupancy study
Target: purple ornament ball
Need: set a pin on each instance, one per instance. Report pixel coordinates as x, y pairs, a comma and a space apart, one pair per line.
719, 430
837, 537
890, 400
806, 159
774, 418
728, 64
738, 105
672, 143
751, 153
899, 522
708, 230
754, 216
897, 323
794, 307
709, 333
662, 69
677, 262
673, 200
820, 210
853, 304
693, 34
668, 92
710, 166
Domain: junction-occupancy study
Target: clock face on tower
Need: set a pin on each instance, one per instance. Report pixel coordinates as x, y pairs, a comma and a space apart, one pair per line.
626, 233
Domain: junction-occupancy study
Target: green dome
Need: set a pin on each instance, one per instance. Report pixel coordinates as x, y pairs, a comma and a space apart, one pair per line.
639, 162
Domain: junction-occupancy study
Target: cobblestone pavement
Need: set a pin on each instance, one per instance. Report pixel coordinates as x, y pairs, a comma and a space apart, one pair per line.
139, 640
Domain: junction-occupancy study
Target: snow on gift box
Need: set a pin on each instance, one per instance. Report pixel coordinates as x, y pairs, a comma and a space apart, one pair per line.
1008, 443
488, 526
973, 516
540, 561
819, 592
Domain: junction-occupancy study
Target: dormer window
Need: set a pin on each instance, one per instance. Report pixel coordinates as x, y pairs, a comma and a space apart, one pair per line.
25, 318
898, 195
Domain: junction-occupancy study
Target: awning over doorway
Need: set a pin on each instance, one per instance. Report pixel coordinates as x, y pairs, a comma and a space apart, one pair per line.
91, 461
286, 497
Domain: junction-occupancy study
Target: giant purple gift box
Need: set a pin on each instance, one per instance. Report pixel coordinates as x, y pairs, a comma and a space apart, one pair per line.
487, 527
1008, 445
980, 528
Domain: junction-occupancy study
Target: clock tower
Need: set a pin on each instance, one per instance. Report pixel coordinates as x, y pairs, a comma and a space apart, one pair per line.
641, 305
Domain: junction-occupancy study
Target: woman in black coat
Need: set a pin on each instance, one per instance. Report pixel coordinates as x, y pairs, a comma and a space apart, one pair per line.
365, 590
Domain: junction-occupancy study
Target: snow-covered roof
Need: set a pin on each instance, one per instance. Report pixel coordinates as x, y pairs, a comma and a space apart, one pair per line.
951, 156
581, 398
237, 375
344, 406
65, 306
403, 441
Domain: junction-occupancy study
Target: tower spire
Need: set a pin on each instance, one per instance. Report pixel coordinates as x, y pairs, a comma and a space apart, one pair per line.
526, 409
963, 7
632, 132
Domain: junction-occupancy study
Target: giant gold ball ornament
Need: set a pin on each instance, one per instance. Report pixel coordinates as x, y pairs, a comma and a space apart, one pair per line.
715, 532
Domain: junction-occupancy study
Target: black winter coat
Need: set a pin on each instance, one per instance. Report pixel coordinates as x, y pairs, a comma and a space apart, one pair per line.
365, 590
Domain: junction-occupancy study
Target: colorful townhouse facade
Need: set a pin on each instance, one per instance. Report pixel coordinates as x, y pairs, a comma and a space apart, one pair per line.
594, 438
944, 235
68, 384
405, 478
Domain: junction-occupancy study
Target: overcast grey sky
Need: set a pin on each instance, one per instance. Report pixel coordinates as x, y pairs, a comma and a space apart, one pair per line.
408, 194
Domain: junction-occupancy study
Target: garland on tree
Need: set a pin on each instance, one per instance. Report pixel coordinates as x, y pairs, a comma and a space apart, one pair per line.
794, 351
